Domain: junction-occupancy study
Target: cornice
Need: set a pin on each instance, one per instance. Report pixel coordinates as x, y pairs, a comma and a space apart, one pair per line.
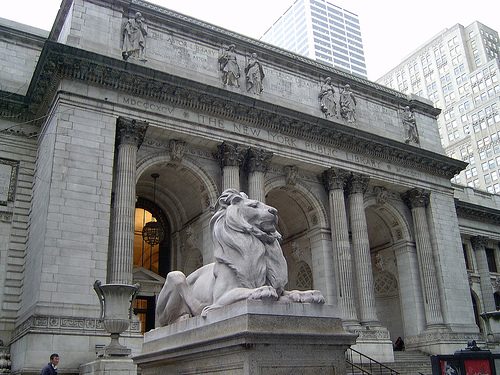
12, 106
474, 212
59, 61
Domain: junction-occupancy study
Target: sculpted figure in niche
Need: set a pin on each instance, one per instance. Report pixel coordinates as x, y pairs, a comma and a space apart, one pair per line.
254, 75
327, 99
249, 264
347, 104
228, 66
410, 124
134, 38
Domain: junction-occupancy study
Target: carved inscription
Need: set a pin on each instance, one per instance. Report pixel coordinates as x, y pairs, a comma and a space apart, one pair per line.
269, 136
146, 105
176, 51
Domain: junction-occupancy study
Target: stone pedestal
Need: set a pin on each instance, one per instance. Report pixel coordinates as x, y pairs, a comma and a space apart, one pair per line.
250, 337
106, 366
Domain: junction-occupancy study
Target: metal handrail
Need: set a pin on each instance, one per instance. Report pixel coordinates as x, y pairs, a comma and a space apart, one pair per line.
374, 367
359, 368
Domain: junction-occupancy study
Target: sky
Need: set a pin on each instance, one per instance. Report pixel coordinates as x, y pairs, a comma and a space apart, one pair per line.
391, 29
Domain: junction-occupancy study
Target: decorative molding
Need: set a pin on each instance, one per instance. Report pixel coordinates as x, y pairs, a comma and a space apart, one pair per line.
426, 339
64, 325
480, 213
5, 217
372, 334
177, 149
58, 61
291, 174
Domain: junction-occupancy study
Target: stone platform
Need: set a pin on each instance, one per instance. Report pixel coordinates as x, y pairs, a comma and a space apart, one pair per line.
250, 337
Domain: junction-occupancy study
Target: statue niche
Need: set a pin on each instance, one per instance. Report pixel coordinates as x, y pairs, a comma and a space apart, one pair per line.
249, 264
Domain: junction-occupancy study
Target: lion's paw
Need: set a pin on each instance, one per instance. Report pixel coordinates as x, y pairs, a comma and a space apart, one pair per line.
264, 292
208, 308
308, 296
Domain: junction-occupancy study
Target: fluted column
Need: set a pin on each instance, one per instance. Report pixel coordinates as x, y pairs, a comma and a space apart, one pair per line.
230, 157
130, 134
258, 163
334, 180
356, 187
417, 200
478, 244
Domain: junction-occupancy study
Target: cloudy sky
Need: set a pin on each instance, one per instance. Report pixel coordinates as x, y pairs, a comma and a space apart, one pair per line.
391, 29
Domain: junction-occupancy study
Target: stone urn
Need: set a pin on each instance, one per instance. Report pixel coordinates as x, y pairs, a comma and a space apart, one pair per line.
492, 320
116, 302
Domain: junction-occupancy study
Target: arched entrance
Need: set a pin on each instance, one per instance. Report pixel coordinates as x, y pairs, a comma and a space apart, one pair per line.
179, 198
301, 218
387, 230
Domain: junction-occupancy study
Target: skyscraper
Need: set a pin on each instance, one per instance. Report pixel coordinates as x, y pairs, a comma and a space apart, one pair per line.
322, 31
458, 70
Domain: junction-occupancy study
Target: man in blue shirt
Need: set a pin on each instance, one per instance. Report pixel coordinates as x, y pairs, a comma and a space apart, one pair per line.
51, 368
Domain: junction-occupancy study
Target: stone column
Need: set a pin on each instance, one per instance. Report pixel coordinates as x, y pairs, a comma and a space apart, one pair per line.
258, 163
130, 134
417, 200
230, 157
410, 291
334, 180
356, 187
478, 244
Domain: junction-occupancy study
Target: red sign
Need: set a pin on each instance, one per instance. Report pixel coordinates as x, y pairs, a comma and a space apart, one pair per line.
477, 367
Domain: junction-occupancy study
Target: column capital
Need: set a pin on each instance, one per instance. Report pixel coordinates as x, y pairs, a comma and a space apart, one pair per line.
230, 154
416, 198
357, 183
334, 178
130, 131
258, 160
478, 242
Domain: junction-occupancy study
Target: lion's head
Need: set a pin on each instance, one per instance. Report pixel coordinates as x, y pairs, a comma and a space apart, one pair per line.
245, 239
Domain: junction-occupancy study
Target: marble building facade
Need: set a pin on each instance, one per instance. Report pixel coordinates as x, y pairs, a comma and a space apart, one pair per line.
120, 91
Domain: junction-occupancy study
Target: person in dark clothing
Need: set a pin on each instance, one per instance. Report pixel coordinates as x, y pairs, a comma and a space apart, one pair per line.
399, 345
51, 368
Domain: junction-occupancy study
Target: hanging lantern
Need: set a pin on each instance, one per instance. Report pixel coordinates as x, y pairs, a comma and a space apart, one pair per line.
153, 232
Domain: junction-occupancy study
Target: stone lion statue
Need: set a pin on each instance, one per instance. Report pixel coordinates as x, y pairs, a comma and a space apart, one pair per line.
249, 264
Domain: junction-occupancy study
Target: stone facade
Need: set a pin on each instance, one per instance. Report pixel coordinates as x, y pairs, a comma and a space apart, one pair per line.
369, 219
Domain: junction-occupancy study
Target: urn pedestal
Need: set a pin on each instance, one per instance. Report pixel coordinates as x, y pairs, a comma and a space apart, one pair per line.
116, 302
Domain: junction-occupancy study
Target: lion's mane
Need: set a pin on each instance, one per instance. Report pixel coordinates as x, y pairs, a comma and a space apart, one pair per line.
254, 255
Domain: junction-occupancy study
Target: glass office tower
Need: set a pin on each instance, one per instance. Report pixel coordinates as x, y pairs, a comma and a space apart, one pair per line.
321, 31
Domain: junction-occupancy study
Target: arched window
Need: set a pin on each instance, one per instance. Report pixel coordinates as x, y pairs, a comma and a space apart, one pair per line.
145, 255
497, 300
301, 277
155, 258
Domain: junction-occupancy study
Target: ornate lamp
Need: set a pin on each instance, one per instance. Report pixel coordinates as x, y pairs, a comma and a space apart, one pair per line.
153, 232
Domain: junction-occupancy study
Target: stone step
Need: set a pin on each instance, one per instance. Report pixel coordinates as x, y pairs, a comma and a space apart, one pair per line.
412, 363
406, 363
